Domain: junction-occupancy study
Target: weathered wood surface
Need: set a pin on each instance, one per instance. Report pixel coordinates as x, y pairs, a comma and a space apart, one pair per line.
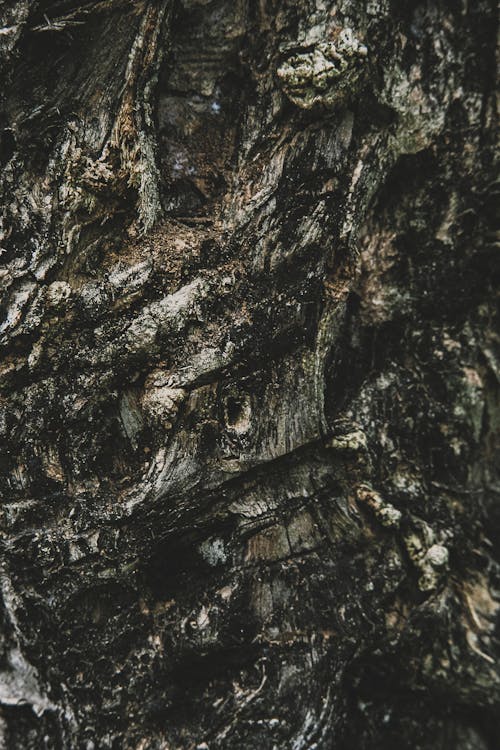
249, 375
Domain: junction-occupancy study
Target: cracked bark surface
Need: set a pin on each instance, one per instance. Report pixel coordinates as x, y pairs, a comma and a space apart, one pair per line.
249, 381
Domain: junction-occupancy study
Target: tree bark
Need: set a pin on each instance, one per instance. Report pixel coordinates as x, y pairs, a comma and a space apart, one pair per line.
249, 383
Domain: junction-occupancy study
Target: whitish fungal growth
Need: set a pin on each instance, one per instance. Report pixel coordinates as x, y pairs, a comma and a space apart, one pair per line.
385, 512
213, 551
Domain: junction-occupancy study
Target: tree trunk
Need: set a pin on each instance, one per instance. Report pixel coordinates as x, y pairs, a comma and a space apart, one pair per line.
249, 384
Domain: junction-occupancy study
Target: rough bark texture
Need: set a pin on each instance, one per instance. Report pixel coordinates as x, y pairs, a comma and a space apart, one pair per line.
250, 373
